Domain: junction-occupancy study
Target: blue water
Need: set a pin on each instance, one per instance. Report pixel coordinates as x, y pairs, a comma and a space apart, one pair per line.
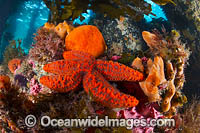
32, 14
156, 9
29, 16
88, 16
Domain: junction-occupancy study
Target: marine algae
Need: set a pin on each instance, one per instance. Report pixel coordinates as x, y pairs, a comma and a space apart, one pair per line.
163, 2
13, 50
66, 10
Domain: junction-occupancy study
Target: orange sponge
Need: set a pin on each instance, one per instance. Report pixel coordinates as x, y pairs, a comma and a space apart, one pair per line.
86, 38
14, 64
4, 85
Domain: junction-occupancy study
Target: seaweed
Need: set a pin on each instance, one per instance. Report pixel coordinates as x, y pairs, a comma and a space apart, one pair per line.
13, 50
16, 106
66, 10
191, 117
48, 46
127, 58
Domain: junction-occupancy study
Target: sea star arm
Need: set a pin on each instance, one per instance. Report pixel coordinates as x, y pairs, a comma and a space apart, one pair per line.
61, 83
114, 71
78, 55
66, 67
105, 93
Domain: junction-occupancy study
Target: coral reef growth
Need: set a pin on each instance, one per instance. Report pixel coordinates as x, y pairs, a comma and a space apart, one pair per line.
148, 112
188, 8
115, 58
121, 35
20, 80
26, 69
155, 77
13, 50
26, 77
137, 64
7, 123
115, 50
170, 92
4, 82
191, 117
16, 106
34, 86
48, 46
127, 58
186, 19
161, 88
49, 26
62, 29
49, 42
175, 56
68, 74
170, 49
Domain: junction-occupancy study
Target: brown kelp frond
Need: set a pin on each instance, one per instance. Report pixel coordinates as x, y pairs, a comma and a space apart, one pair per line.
62, 10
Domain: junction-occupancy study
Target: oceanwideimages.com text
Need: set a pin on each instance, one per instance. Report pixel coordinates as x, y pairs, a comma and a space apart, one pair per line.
46, 121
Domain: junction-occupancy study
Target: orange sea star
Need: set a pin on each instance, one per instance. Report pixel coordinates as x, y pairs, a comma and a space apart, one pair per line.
79, 66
